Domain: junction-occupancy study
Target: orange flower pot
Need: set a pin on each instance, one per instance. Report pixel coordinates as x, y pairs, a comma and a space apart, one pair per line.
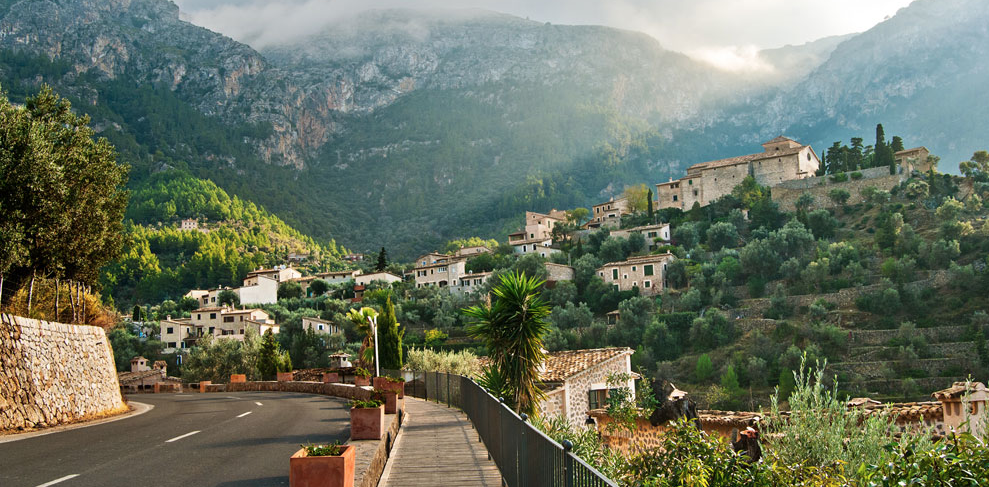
393, 402
285, 376
329, 471
384, 384
367, 423
235, 378
330, 377
362, 381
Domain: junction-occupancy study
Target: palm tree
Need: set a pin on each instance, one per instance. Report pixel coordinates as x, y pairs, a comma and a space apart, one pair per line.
512, 327
362, 318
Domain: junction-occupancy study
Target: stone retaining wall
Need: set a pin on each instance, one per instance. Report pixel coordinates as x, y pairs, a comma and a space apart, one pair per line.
786, 193
53, 373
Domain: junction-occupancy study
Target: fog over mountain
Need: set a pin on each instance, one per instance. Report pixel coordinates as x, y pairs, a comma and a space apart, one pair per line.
406, 127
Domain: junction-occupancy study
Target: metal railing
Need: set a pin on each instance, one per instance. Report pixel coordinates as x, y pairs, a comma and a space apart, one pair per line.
525, 456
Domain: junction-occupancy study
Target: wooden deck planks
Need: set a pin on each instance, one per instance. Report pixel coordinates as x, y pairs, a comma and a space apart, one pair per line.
437, 446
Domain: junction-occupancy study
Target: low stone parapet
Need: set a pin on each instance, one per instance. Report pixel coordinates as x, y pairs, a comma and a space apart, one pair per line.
346, 391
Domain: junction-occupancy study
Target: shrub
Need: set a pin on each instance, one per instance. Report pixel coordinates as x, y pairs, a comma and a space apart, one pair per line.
839, 177
425, 360
704, 368
856, 175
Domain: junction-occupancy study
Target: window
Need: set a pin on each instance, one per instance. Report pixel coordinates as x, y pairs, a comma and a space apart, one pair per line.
615, 287
674, 197
614, 273
320, 327
647, 284
212, 316
647, 269
199, 316
171, 344
624, 276
690, 182
635, 283
532, 235
597, 399
230, 319
169, 331
808, 156
695, 192
633, 268
241, 331
211, 330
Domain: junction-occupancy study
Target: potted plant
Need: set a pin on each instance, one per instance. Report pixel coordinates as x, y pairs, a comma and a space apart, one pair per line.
392, 400
236, 378
362, 377
322, 465
329, 377
367, 419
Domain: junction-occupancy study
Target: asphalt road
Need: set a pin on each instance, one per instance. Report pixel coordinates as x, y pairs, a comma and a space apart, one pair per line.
242, 439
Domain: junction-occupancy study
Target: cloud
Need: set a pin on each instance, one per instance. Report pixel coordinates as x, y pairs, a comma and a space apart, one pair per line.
719, 31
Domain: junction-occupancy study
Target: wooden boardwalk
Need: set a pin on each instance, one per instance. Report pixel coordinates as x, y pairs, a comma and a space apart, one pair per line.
437, 446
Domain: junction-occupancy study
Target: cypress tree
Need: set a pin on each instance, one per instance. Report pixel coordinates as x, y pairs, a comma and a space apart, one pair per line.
389, 338
649, 208
382, 260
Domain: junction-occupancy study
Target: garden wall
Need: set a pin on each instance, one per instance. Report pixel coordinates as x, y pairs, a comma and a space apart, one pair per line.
53, 373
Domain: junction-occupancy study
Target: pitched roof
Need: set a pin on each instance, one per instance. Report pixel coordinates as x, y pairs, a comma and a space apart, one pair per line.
907, 411
780, 139
128, 377
559, 366
958, 389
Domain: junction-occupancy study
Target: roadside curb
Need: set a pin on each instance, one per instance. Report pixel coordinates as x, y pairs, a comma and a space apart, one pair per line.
139, 409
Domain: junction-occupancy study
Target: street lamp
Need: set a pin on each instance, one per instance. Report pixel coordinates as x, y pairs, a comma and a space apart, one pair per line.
374, 328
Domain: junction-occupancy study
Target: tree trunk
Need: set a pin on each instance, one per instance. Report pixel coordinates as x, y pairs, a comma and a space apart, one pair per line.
83, 317
56, 301
72, 301
1, 291
30, 294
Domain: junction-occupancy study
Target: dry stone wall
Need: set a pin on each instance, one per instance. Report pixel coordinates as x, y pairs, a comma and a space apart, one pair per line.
53, 373
786, 193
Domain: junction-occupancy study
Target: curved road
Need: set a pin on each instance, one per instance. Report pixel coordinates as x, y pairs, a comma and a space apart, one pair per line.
242, 439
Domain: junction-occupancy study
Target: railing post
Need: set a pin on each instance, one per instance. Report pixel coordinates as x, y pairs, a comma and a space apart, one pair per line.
522, 458
567, 463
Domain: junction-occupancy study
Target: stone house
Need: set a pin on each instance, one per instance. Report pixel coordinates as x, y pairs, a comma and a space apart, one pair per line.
470, 282
320, 326
782, 159
221, 322
654, 234
386, 277
141, 377
961, 403
556, 273
439, 270
608, 214
280, 273
189, 224
576, 381
353, 257
647, 273
339, 277
472, 251
537, 235
915, 159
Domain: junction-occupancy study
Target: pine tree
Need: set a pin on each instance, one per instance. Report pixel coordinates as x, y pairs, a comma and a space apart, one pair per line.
269, 360
897, 144
389, 338
382, 260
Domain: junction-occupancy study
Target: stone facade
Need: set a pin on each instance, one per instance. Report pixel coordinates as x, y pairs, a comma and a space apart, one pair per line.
54, 373
442, 273
782, 160
647, 273
572, 397
608, 214
386, 277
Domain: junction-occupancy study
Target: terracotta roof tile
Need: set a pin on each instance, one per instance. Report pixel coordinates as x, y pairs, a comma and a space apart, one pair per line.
560, 366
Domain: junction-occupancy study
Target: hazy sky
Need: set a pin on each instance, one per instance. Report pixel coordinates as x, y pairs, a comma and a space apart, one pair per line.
725, 32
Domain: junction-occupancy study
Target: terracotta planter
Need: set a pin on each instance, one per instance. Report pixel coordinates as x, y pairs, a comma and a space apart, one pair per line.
235, 378
367, 423
285, 376
393, 402
203, 384
362, 381
336, 471
384, 384
329, 377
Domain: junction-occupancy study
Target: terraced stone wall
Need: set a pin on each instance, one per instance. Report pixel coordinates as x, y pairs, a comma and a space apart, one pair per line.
53, 373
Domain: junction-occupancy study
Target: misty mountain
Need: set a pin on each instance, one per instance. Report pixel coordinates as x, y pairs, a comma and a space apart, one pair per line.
404, 128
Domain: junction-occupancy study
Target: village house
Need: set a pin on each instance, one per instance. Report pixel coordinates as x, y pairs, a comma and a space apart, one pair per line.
280, 273
339, 277
319, 326
556, 273
470, 282
652, 233
915, 158
221, 322
256, 290
472, 251
353, 257
608, 214
782, 159
439, 270
189, 224
647, 273
386, 277
576, 381
537, 236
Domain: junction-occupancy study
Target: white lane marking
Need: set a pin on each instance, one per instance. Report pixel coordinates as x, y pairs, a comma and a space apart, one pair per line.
245, 414
259, 404
231, 397
63, 479
177, 438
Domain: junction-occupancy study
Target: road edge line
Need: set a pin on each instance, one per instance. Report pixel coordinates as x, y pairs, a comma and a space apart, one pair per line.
139, 409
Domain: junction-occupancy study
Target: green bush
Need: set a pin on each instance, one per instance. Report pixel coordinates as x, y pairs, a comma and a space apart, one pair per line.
856, 175
840, 177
